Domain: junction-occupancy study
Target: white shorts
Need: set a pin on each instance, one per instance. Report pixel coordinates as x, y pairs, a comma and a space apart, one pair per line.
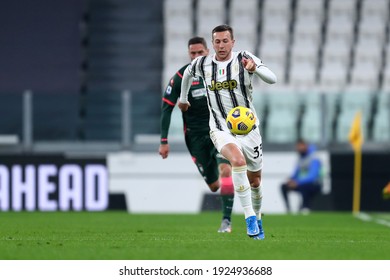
250, 145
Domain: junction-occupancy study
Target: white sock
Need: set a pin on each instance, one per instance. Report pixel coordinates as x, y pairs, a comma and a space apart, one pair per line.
242, 188
257, 198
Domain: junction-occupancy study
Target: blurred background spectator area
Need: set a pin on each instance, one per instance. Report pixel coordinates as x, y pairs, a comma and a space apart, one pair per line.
78, 71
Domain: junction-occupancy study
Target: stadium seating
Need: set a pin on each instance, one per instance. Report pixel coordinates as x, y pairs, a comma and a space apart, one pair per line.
11, 105
326, 46
337, 49
55, 116
381, 126
177, 8
333, 76
302, 74
260, 102
277, 26
383, 101
274, 52
305, 50
364, 76
282, 111
340, 26
352, 102
375, 9
332, 112
372, 28
345, 7
244, 20
178, 29
238, 11
102, 119
280, 8
209, 15
381, 121
281, 127
368, 50
245, 33
385, 86
176, 126
311, 129
310, 7
308, 26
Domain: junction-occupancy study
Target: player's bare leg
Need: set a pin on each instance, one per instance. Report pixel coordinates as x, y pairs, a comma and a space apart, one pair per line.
242, 185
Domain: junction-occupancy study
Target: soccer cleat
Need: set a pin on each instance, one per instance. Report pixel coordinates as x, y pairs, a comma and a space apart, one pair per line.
256, 237
252, 228
261, 234
226, 226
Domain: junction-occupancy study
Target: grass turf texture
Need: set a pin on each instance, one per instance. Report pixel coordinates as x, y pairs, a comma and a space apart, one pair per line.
119, 235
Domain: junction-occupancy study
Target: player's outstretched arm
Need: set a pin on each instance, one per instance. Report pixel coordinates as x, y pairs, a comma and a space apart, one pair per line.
254, 65
265, 74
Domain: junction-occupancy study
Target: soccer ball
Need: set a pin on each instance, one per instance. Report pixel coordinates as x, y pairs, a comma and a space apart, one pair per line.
240, 120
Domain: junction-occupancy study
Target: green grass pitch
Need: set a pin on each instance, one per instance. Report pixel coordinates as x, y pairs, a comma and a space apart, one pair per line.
123, 236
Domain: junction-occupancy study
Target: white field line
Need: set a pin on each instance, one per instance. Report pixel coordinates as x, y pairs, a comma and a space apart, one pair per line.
368, 218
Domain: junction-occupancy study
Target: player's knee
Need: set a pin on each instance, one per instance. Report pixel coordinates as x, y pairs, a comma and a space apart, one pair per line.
255, 183
214, 186
238, 161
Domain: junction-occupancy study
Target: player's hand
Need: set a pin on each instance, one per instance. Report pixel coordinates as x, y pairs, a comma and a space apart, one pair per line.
164, 150
249, 64
184, 106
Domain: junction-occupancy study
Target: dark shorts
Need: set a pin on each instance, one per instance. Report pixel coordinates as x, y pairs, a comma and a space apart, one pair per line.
205, 156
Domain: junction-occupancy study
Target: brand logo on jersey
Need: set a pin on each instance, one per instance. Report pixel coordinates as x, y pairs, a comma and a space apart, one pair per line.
199, 93
168, 91
230, 85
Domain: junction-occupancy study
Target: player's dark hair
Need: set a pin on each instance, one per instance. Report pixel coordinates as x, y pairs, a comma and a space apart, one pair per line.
222, 28
197, 40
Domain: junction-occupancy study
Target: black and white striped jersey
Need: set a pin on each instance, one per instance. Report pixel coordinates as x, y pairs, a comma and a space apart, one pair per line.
228, 84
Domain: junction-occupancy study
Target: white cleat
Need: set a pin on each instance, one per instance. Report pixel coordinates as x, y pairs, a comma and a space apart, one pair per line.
226, 226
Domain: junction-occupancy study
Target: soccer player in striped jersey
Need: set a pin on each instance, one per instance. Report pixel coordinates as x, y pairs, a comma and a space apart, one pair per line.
228, 76
215, 170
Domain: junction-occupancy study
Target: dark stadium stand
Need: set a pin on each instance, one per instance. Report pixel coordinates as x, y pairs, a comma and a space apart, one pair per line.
55, 116
40, 51
124, 45
11, 111
40, 45
123, 51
